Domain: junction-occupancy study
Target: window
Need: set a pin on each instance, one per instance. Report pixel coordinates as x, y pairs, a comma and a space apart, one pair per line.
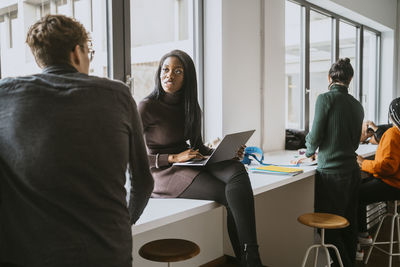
16, 57
63, 7
369, 77
44, 9
348, 48
167, 28
157, 27
83, 13
315, 38
13, 27
294, 110
320, 57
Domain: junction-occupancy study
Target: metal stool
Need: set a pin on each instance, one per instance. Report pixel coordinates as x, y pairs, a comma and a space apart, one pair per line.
395, 217
169, 250
323, 221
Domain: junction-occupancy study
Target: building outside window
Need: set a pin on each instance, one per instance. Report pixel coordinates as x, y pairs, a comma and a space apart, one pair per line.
16, 57
157, 27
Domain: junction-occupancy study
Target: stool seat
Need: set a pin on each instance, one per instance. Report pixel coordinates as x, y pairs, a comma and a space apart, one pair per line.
323, 220
169, 250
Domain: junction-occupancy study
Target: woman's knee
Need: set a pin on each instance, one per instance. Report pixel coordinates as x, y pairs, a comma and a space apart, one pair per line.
229, 170
236, 168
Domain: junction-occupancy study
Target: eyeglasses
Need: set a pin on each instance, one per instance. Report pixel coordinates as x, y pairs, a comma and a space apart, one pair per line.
91, 50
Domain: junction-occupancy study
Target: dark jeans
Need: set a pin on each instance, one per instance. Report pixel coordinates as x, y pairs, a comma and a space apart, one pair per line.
338, 194
373, 190
228, 183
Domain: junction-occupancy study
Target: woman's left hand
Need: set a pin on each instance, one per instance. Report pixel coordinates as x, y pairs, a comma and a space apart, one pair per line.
302, 159
240, 153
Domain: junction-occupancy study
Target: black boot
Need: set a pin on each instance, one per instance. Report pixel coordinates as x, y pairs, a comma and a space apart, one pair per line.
251, 257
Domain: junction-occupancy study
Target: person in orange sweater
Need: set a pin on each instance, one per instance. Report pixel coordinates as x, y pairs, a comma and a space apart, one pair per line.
384, 182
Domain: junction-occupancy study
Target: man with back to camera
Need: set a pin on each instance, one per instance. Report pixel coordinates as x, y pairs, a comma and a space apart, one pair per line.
66, 140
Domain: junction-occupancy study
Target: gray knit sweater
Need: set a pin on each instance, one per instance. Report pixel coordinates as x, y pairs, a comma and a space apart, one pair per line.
336, 130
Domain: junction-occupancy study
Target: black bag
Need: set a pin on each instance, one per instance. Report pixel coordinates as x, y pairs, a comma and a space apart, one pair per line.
295, 139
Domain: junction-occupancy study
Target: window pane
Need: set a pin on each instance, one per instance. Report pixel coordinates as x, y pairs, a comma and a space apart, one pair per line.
369, 74
347, 48
151, 42
320, 56
63, 7
16, 57
92, 14
44, 9
13, 28
292, 59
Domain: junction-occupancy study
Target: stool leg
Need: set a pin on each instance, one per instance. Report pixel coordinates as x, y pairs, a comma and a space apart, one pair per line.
328, 258
337, 254
307, 253
316, 257
375, 236
169, 264
391, 241
398, 231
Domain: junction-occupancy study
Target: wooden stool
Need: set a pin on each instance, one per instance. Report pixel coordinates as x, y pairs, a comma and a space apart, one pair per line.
323, 221
169, 250
395, 220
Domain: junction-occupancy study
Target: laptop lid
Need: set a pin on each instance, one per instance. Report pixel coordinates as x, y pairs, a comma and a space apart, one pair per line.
226, 150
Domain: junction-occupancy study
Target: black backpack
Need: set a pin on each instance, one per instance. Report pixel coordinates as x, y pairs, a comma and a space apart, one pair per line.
295, 139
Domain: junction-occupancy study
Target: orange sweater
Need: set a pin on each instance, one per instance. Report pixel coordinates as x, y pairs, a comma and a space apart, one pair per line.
386, 165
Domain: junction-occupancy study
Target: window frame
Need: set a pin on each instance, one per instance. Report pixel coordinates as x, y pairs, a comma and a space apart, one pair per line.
119, 41
335, 30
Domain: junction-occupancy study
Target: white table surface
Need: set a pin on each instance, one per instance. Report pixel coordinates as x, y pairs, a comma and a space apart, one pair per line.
160, 212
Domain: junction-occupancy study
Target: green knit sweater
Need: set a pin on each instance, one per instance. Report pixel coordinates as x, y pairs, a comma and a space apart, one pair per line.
336, 130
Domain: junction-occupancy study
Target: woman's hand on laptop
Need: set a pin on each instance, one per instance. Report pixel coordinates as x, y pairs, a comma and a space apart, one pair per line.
184, 156
240, 153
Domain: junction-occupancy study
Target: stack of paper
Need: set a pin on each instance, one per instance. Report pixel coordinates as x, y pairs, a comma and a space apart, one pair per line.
278, 170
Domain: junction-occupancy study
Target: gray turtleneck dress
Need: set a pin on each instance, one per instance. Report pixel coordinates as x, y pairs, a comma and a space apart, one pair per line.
225, 182
163, 126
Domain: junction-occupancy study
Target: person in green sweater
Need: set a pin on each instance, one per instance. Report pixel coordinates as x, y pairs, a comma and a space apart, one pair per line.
336, 132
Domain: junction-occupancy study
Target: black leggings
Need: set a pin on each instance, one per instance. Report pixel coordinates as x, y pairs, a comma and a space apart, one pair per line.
373, 190
228, 183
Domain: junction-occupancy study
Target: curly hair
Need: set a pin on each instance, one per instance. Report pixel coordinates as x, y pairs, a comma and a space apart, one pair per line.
341, 71
52, 38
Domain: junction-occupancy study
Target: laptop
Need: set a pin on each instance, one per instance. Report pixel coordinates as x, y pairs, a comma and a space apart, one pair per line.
226, 150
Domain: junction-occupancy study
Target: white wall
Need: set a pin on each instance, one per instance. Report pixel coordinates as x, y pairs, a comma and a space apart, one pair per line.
212, 69
275, 93
232, 77
241, 61
382, 11
380, 15
205, 229
231, 67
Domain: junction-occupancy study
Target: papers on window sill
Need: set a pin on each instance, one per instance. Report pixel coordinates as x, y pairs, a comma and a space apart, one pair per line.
308, 162
276, 170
